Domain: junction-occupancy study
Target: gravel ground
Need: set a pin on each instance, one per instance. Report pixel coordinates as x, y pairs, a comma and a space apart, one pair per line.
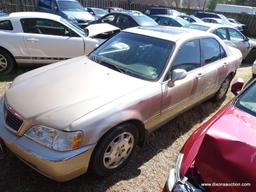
147, 170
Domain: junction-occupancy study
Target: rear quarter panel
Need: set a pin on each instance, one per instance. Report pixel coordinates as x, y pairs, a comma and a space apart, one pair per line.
13, 40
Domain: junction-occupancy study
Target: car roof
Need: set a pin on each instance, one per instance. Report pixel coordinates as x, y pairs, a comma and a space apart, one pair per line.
129, 13
167, 16
212, 25
32, 15
173, 34
213, 18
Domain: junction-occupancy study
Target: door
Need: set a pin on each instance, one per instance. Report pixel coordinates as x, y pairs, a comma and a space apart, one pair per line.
239, 40
215, 66
48, 41
182, 94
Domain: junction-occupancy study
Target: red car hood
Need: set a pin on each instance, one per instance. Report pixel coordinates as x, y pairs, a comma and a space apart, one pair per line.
224, 151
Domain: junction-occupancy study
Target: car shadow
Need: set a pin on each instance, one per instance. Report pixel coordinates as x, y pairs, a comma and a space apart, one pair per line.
14, 74
16, 176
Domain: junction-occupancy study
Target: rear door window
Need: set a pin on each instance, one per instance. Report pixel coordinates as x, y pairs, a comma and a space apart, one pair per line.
188, 57
211, 50
222, 33
235, 35
6, 25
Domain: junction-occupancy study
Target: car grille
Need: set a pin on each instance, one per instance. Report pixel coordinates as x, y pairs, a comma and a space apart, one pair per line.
12, 120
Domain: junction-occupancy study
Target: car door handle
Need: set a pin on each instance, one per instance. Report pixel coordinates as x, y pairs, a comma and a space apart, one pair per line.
199, 75
225, 64
33, 40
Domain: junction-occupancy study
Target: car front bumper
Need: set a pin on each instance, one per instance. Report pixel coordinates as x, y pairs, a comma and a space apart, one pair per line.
174, 185
59, 166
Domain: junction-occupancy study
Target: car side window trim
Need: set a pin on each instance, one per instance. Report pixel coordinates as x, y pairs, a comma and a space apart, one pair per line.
219, 48
6, 25
218, 33
237, 32
36, 30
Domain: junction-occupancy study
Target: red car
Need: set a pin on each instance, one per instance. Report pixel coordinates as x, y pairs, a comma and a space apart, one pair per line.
220, 156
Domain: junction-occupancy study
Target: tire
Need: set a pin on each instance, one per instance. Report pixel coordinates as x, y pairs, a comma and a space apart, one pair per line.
250, 58
221, 93
7, 63
114, 150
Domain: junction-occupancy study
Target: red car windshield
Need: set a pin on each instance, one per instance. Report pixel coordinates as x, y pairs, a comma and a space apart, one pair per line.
247, 100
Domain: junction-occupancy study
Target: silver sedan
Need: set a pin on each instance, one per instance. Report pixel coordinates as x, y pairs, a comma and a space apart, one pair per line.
91, 112
232, 37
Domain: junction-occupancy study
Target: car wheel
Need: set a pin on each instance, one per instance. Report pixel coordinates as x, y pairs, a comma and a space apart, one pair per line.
114, 149
221, 94
7, 63
250, 57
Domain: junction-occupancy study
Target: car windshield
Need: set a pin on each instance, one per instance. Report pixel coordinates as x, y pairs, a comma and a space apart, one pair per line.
198, 27
247, 100
145, 21
100, 11
136, 55
70, 6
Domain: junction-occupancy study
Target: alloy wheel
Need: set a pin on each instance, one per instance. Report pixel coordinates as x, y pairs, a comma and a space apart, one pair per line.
3, 63
118, 150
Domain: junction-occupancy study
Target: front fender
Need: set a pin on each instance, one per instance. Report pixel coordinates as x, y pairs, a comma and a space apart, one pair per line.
95, 126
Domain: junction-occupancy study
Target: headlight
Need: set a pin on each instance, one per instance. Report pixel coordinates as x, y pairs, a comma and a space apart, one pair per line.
55, 139
174, 175
178, 167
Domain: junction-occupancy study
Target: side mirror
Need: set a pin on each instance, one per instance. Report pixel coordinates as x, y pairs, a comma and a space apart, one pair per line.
237, 86
177, 74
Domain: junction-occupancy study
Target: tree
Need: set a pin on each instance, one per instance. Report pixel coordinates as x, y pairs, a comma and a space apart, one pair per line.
213, 3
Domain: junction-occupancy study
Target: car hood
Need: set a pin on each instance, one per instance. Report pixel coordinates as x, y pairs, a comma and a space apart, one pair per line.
227, 150
81, 15
96, 29
62, 93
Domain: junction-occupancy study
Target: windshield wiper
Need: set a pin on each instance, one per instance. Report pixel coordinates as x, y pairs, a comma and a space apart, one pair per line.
96, 59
